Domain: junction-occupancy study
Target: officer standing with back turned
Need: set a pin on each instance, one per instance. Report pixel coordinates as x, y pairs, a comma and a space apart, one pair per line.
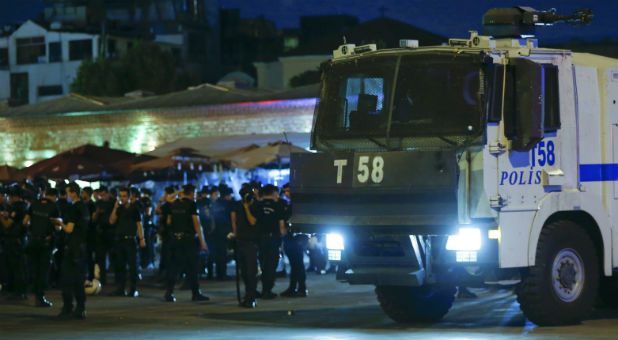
185, 232
41, 220
270, 221
73, 272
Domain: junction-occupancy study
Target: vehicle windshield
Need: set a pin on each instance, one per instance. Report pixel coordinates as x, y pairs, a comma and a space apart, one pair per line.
355, 97
432, 95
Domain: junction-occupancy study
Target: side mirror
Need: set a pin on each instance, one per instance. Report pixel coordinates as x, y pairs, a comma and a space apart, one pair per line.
524, 105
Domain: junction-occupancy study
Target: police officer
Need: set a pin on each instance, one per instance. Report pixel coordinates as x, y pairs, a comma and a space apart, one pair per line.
128, 226
147, 253
294, 250
136, 199
64, 206
203, 208
105, 231
163, 211
220, 210
270, 222
75, 226
184, 225
14, 235
40, 217
91, 235
246, 237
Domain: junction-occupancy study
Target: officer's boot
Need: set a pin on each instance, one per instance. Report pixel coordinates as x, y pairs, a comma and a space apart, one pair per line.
80, 311
197, 296
290, 291
302, 291
169, 296
67, 307
133, 292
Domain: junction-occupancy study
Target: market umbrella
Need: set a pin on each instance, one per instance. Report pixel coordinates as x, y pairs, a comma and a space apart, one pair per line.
178, 164
69, 166
236, 152
87, 162
10, 174
272, 155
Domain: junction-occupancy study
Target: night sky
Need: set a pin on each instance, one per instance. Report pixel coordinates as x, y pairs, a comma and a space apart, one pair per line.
451, 18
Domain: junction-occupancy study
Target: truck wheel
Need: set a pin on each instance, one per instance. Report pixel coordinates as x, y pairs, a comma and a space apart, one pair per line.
608, 292
415, 304
561, 288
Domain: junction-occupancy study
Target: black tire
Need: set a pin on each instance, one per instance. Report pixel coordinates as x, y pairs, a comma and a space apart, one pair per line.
539, 299
608, 292
415, 304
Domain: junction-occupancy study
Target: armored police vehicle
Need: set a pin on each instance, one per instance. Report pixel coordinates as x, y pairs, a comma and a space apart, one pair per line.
484, 160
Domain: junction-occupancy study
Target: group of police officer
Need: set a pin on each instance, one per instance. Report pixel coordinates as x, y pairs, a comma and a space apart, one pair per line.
259, 225
63, 233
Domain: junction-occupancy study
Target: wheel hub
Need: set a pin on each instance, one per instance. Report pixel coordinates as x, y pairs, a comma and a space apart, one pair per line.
568, 275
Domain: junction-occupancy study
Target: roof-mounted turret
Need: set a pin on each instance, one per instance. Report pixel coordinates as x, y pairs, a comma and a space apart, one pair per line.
520, 21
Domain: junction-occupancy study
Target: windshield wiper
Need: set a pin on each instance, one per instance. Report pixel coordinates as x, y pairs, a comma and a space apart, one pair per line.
442, 138
378, 143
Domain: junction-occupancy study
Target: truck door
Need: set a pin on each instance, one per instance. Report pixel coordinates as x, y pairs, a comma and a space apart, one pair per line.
531, 166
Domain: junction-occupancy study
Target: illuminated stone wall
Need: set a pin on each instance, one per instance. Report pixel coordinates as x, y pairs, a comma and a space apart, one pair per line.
26, 140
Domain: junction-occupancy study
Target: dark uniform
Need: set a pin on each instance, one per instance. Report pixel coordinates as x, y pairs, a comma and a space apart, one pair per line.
60, 239
206, 260
220, 211
294, 246
105, 237
91, 240
74, 260
247, 246
147, 253
268, 214
126, 247
166, 240
184, 249
14, 245
41, 244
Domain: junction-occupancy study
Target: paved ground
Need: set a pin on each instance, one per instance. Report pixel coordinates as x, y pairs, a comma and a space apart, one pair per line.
332, 311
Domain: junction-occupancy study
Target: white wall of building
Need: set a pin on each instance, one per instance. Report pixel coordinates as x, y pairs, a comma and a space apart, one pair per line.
44, 72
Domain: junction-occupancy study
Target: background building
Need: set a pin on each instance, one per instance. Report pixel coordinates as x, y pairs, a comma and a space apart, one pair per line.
37, 63
29, 133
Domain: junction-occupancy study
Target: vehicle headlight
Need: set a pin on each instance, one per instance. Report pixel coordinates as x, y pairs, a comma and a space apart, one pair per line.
467, 239
334, 241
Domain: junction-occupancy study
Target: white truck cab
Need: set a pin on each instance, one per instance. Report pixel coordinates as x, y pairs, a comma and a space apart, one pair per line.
485, 160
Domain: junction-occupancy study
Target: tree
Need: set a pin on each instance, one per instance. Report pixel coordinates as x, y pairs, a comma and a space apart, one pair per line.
306, 78
143, 67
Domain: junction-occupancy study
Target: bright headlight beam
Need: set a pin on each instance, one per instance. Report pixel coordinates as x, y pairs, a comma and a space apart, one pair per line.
493, 234
467, 239
334, 241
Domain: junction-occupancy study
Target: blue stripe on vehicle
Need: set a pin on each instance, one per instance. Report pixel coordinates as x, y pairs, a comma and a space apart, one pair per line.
598, 172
